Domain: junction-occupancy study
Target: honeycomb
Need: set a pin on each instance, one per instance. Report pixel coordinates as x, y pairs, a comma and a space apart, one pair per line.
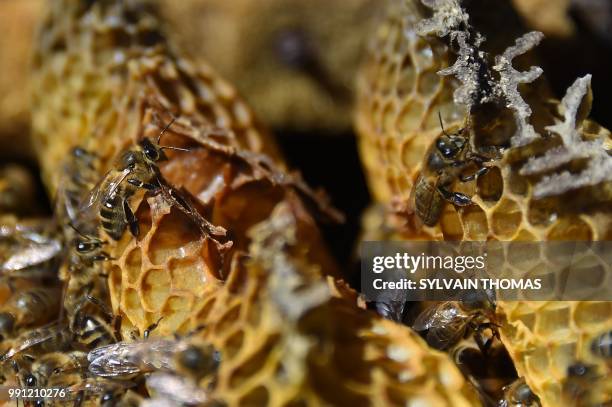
399, 97
132, 65
104, 77
277, 324
283, 93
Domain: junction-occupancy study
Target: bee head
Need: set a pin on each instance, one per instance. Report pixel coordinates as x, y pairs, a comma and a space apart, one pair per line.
523, 393
30, 380
153, 152
580, 369
450, 145
199, 360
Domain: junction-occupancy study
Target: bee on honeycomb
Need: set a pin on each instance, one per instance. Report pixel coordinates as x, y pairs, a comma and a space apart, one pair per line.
412, 73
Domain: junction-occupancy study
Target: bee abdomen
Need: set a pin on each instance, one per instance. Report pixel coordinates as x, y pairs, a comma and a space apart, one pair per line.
95, 333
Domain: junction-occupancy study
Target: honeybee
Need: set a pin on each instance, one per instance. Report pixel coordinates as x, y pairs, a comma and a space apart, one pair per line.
602, 345
518, 394
445, 162
580, 387
107, 392
135, 169
80, 174
92, 328
57, 369
33, 306
125, 360
447, 322
49, 338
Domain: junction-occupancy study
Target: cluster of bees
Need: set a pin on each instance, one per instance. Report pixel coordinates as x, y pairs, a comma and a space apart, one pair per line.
57, 329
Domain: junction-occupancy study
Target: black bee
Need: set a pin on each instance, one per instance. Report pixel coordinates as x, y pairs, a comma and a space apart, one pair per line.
135, 169
445, 162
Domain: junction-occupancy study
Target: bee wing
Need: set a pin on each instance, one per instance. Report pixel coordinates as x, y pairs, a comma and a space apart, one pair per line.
99, 386
426, 319
447, 325
123, 358
176, 389
106, 186
32, 338
31, 253
443, 336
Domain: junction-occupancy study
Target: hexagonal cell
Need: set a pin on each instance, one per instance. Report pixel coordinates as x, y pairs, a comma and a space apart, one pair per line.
570, 228
114, 280
423, 57
188, 274
450, 224
207, 306
133, 263
517, 184
584, 277
541, 212
407, 76
524, 236
537, 362
474, 221
388, 116
553, 324
412, 153
233, 344
133, 307
528, 320
588, 315
523, 256
490, 186
176, 312
409, 118
228, 319
506, 219
254, 363
404, 184
562, 356
155, 288
174, 232
428, 83
257, 397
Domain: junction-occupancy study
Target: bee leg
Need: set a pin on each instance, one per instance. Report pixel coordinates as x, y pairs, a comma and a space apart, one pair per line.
471, 177
117, 327
131, 219
103, 307
138, 183
456, 198
78, 401
151, 328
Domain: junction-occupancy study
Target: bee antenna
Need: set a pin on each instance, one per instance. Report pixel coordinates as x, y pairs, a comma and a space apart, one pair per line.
165, 129
173, 148
441, 124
